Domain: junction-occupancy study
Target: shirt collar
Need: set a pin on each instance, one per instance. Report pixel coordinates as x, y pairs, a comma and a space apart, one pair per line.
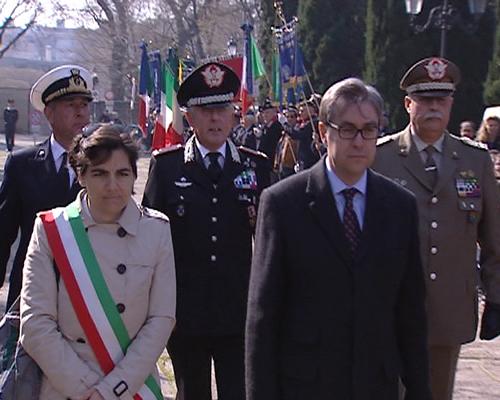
129, 220
57, 149
204, 151
421, 145
338, 185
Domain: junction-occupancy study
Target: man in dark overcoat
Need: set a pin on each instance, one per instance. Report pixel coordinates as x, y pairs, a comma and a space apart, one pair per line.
336, 298
210, 190
39, 177
10, 117
459, 208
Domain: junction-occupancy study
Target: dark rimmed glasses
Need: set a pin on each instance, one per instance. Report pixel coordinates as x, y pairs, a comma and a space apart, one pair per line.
369, 132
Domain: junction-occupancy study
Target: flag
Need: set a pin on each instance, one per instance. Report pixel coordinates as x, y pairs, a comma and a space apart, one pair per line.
292, 65
168, 125
277, 94
253, 68
144, 90
155, 67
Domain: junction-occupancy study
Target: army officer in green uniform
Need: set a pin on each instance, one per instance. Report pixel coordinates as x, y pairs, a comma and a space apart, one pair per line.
458, 203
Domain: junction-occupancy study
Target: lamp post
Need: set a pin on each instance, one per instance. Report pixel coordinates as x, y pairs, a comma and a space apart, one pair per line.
444, 17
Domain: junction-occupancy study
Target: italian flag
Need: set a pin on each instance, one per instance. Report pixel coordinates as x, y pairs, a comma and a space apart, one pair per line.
168, 126
89, 294
253, 68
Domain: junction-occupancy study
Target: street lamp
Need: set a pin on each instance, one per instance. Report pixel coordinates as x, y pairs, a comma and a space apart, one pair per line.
232, 47
444, 17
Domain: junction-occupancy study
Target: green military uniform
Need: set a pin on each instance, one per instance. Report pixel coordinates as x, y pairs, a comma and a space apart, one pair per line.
458, 209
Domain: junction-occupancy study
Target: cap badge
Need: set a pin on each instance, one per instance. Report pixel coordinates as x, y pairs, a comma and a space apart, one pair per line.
436, 69
213, 75
76, 82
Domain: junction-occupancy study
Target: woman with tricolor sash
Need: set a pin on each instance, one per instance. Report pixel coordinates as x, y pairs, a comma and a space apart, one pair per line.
98, 297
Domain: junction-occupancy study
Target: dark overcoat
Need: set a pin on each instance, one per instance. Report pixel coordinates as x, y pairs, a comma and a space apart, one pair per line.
321, 326
30, 184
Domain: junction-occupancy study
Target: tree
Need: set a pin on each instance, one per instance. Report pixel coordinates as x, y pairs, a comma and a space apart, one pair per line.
331, 33
391, 48
492, 84
15, 11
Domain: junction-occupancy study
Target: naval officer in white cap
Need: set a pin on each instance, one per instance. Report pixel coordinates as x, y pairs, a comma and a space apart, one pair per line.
38, 178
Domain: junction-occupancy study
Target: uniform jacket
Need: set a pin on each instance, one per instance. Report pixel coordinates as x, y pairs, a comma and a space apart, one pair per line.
269, 140
29, 185
139, 271
307, 154
212, 230
461, 211
323, 327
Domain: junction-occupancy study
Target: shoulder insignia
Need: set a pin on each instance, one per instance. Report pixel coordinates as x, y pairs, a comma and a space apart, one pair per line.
473, 143
384, 140
168, 149
252, 152
152, 213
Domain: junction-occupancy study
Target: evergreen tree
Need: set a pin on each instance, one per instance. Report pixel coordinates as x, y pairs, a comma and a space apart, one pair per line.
331, 34
391, 48
492, 85
265, 42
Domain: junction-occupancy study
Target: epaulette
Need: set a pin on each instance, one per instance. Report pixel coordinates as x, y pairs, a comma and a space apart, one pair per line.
473, 143
152, 213
384, 140
168, 149
252, 151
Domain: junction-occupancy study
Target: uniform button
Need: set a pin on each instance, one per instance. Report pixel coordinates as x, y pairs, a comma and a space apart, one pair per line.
434, 224
472, 206
121, 232
120, 307
214, 200
433, 276
213, 257
214, 238
214, 219
434, 250
121, 268
434, 200
181, 197
81, 340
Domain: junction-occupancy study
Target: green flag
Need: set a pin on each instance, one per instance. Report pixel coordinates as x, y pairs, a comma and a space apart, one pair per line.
258, 69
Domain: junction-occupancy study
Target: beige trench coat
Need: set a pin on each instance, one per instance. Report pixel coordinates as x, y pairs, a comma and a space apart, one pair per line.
139, 270
451, 225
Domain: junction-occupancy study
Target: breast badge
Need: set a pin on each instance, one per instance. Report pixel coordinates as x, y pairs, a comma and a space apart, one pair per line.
246, 180
467, 185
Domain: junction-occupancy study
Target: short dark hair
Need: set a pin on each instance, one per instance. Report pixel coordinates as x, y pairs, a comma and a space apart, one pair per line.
97, 147
348, 92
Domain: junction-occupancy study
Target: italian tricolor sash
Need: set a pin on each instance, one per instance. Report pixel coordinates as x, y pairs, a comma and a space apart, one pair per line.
88, 292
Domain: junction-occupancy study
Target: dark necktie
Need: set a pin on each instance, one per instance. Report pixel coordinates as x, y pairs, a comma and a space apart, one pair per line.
214, 168
63, 173
430, 166
351, 224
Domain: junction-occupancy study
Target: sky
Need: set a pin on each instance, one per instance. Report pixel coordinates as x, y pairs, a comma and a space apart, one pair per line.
48, 17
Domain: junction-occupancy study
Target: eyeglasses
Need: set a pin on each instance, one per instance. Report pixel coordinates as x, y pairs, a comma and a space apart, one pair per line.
369, 132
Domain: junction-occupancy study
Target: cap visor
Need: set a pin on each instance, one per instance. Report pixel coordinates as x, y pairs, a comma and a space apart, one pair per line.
433, 93
74, 95
215, 105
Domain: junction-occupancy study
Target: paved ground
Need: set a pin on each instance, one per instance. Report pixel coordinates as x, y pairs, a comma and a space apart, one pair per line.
478, 376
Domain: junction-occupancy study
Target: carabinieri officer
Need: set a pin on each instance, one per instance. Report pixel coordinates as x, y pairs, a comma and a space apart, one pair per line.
209, 189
